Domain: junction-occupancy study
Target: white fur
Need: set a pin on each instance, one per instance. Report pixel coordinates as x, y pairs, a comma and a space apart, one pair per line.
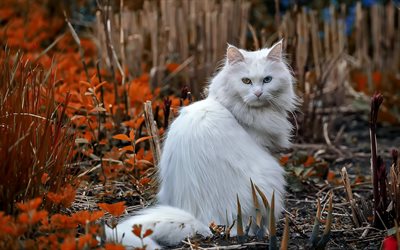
264, 118
167, 229
217, 145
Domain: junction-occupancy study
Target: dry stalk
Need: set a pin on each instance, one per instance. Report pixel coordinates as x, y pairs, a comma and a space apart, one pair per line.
105, 10
376, 101
78, 42
350, 199
176, 32
153, 132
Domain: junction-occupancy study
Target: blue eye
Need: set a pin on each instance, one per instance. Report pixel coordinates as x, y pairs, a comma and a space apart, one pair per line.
267, 79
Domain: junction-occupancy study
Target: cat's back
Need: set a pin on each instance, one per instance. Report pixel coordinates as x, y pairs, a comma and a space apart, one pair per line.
202, 115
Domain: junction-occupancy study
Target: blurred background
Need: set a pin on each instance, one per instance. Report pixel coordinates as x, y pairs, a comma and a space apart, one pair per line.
341, 52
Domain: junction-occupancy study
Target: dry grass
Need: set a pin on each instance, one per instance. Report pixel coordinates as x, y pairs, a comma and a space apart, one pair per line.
35, 144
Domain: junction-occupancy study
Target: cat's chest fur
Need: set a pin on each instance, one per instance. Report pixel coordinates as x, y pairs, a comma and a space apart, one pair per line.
268, 128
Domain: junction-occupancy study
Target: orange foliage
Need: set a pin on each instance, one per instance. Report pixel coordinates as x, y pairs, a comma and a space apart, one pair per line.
115, 209
139, 90
44, 178
7, 227
83, 217
65, 198
32, 217
113, 246
121, 137
97, 121
145, 181
137, 230
172, 67
147, 233
284, 159
87, 241
68, 244
30, 205
310, 160
60, 221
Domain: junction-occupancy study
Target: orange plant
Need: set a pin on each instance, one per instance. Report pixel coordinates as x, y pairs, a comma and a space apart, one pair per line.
35, 144
58, 108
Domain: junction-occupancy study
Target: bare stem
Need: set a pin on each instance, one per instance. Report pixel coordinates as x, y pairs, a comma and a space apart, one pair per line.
376, 101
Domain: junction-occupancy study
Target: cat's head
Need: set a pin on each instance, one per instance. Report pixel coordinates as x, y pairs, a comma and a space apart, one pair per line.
256, 78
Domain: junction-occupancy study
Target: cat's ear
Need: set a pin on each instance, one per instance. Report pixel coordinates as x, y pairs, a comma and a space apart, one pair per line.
275, 53
233, 55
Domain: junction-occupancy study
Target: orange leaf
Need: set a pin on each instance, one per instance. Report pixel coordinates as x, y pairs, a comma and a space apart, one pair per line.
6, 12
137, 230
55, 198
172, 67
121, 137
85, 84
331, 175
132, 135
60, 221
145, 181
359, 179
142, 139
39, 216
361, 81
113, 246
65, 197
310, 160
86, 242
284, 160
30, 205
68, 244
103, 142
115, 209
84, 216
44, 178
147, 233
23, 218
377, 79
99, 86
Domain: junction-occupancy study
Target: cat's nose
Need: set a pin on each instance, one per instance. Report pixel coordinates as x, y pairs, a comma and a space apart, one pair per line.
258, 93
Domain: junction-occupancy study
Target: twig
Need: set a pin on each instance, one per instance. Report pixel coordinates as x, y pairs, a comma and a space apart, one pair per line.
78, 42
177, 70
107, 32
376, 101
326, 135
153, 132
54, 43
349, 192
254, 36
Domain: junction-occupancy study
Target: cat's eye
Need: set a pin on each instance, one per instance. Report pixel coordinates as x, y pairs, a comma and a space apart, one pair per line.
246, 80
267, 79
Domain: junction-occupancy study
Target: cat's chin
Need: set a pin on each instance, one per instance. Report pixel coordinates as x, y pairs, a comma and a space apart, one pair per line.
258, 104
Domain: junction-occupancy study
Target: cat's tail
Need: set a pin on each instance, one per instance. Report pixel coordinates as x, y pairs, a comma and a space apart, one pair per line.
170, 226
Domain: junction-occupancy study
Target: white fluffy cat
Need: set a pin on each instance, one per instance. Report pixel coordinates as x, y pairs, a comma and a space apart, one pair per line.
215, 146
